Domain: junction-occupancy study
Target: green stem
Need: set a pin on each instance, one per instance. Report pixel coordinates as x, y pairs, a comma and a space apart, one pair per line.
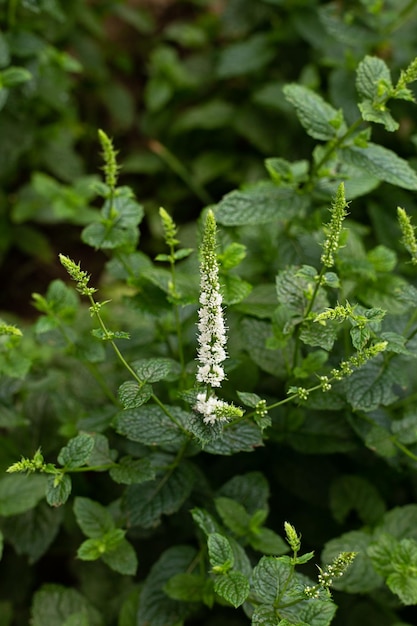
306, 314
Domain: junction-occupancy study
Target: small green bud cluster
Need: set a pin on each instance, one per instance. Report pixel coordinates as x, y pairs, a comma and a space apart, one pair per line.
326, 577
339, 313
78, 275
347, 367
334, 228
37, 464
260, 409
10, 330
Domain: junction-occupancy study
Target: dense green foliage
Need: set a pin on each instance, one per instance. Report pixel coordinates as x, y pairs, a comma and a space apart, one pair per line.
146, 486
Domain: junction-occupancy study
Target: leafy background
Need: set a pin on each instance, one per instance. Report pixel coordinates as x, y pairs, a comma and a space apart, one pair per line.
193, 94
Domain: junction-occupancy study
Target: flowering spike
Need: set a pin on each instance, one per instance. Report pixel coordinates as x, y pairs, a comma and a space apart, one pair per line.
211, 328
110, 167
408, 234
334, 228
215, 410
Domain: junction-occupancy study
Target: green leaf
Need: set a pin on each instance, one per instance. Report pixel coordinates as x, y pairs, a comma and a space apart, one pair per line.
145, 504
381, 163
318, 118
155, 607
188, 587
122, 558
270, 580
93, 518
238, 437
19, 493
400, 522
32, 532
233, 587
205, 521
132, 395
233, 515
261, 302
232, 256
132, 471
150, 425
369, 72
256, 333
251, 490
360, 577
397, 562
58, 489
246, 57
354, 493
261, 204
77, 451
13, 76
220, 553
118, 225
371, 386
234, 289
55, 604
153, 370
268, 542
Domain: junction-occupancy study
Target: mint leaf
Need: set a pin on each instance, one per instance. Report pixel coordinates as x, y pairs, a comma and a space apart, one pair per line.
77, 451
233, 587
220, 552
55, 604
58, 489
132, 395
32, 532
268, 542
382, 163
205, 521
270, 579
153, 370
369, 72
239, 437
132, 471
155, 607
354, 493
122, 558
233, 515
150, 425
260, 204
93, 518
251, 490
145, 504
19, 493
318, 118
188, 587
117, 227
371, 386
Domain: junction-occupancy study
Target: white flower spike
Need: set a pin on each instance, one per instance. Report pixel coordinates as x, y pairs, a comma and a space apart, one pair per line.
211, 326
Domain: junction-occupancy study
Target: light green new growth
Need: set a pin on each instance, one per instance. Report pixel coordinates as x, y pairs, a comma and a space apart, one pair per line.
357, 360
339, 313
170, 229
10, 330
408, 234
326, 577
293, 539
110, 167
80, 277
37, 464
334, 228
407, 76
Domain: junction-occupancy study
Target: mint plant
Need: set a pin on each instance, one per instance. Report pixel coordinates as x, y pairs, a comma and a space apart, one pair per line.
278, 330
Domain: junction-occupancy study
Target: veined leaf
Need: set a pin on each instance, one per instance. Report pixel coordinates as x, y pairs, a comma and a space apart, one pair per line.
55, 605
19, 493
318, 118
155, 607
233, 587
77, 451
260, 204
382, 163
144, 504
92, 517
